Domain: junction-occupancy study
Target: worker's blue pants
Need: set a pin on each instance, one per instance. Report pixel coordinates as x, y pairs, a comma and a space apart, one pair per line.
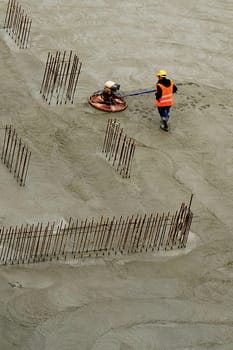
164, 112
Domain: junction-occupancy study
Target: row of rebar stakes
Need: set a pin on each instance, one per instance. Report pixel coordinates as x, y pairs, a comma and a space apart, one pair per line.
31, 243
15, 155
17, 24
60, 77
119, 148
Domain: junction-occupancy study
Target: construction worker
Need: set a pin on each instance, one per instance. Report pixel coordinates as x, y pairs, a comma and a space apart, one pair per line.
165, 88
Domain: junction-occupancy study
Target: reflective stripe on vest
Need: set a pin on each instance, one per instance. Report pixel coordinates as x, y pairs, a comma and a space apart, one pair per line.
167, 96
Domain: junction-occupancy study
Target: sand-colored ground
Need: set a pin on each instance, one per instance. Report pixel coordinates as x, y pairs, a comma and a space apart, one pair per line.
160, 301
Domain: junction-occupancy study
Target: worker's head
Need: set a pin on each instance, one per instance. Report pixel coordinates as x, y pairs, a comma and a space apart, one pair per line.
161, 74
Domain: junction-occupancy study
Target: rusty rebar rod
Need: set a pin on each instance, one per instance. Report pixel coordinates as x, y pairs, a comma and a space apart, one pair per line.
26, 38
17, 238
116, 234
6, 246
85, 238
147, 230
47, 76
111, 140
114, 135
60, 84
67, 233
66, 74
50, 77
124, 234
15, 10
129, 158
121, 153
4, 143
76, 82
75, 237
11, 16
17, 22
163, 231
109, 137
54, 77
28, 243
104, 233
186, 234
19, 27
71, 78
7, 144
11, 141
79, 236
58, 74
106, 135
7, 14
33, 242
115, 138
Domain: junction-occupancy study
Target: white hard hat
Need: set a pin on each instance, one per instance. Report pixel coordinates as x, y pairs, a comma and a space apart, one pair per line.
109, 84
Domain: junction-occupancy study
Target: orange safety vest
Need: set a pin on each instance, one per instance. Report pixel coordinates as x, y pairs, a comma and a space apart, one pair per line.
167, 96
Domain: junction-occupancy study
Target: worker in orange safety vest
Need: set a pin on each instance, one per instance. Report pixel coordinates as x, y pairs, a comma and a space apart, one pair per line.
164, 91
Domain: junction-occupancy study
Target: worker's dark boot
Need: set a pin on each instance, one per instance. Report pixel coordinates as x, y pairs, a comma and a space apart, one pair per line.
164, 125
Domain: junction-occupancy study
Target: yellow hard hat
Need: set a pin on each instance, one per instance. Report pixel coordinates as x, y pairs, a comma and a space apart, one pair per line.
161, 73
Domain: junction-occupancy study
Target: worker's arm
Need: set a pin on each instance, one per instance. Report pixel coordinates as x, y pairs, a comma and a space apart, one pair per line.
158, 92
174, 89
